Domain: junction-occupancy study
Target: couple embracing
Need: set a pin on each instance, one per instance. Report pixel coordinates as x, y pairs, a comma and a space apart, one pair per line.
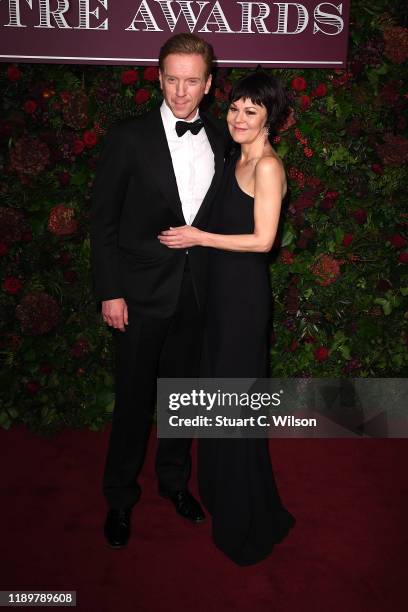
184, 212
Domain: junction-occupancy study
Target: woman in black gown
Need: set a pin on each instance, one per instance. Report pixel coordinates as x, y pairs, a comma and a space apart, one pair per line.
236, 480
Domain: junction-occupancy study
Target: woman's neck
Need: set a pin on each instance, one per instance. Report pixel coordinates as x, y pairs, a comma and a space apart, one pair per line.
255, 150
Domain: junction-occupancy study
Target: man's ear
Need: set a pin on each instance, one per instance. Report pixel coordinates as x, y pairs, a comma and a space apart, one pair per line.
208, 84
161, 79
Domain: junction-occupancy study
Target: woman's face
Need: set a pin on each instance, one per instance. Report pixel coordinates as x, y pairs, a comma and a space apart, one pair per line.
246, 120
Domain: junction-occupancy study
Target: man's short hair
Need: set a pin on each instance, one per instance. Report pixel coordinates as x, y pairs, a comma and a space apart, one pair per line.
188, 44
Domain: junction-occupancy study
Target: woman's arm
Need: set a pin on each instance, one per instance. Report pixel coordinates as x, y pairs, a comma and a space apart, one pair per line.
270, 188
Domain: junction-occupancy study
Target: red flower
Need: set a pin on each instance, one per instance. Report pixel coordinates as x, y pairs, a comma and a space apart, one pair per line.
403, 257
65, 96
13, 73
377, 168
61, 220
33, 387
3, 249
151, 74
321, 353
129, 77
347, 238
299, 84
12, 285
320, 91
398, 241
326, 269
308, 152
79, 146
287, 257
30, 106
360, 216
142, 96
293, 346
305, 102
90, 138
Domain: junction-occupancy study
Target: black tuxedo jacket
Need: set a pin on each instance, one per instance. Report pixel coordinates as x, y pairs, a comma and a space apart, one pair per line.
134, 198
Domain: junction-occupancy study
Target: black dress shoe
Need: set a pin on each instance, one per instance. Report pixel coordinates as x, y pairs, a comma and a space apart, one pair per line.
117, 527
185, 504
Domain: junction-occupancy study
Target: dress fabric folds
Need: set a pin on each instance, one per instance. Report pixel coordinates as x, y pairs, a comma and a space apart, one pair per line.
236, 479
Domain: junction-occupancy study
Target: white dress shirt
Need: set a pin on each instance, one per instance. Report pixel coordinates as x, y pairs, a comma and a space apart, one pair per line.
193, 163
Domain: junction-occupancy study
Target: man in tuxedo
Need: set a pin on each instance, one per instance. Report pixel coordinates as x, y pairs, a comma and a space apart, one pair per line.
155, 171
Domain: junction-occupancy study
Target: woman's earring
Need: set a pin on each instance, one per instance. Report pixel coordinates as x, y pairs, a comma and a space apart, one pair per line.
266, 128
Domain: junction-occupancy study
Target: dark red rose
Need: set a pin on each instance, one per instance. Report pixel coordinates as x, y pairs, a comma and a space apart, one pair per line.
13, 73
326, 203
151, 74
30, 106
360, 216
321, 353
287, 257
320, 91
347, 238
299, 84
403, 257
90, 138
309, 339
398, 241
142, 96
33, 387
305, 102
383, 285
377, 168
79, 146
70, 276
3, 249
64, 179
27, 236
12, 285
46, 368
129, 77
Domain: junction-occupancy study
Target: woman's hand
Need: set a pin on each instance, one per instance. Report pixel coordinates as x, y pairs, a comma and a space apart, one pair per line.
181, 237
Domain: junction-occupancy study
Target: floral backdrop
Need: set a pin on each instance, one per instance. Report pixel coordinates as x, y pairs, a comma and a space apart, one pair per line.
338, 266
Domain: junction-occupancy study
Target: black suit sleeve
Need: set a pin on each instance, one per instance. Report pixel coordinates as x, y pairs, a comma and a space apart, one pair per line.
109, 191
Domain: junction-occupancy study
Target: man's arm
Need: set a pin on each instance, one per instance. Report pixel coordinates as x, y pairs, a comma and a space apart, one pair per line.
108, 194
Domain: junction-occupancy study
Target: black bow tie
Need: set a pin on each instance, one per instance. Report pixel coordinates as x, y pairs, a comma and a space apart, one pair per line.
183, 126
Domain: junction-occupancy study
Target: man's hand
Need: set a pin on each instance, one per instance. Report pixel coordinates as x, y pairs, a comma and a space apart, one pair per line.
115, 313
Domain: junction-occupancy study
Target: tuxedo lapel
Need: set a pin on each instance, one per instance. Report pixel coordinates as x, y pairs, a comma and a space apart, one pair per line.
157, 150
218, 149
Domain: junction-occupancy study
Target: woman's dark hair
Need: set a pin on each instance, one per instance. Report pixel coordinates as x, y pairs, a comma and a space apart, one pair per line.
264, 90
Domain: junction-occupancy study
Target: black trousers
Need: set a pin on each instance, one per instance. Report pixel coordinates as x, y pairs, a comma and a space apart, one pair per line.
150, 348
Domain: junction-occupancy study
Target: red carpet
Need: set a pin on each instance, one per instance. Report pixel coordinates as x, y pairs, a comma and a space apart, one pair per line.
346, 552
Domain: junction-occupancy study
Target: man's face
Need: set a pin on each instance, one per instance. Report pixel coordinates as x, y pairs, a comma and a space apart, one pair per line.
184, 83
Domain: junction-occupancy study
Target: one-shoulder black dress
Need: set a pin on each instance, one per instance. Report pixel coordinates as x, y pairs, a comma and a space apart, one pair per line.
236, 481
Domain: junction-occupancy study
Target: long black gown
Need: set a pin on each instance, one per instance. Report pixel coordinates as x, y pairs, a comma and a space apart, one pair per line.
236, 481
